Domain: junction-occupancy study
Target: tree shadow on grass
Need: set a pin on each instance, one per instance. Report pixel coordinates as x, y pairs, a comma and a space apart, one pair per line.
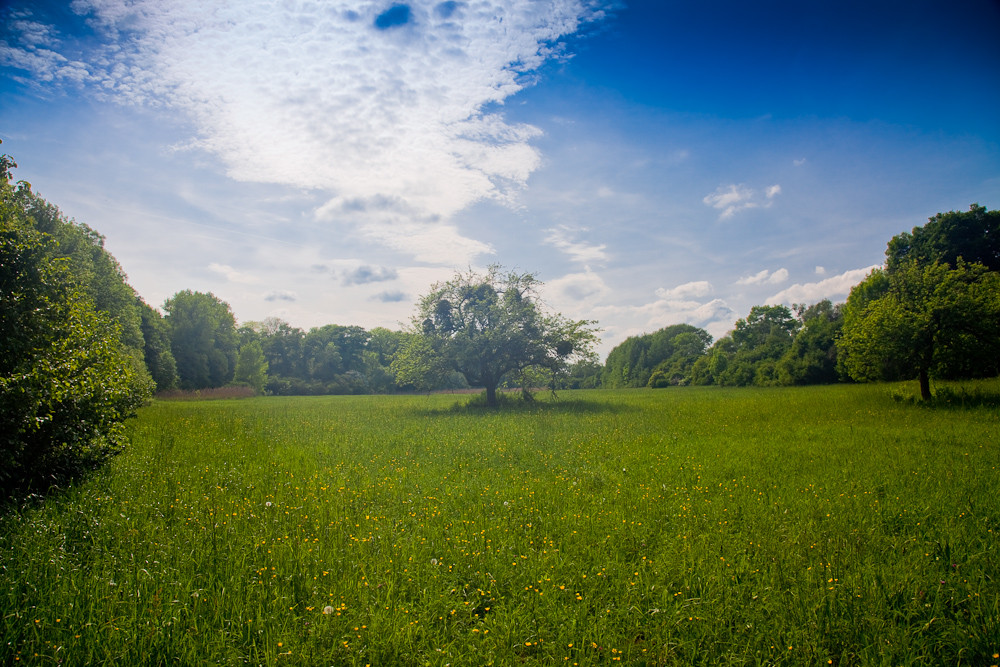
955, 398
964, 398
513, 403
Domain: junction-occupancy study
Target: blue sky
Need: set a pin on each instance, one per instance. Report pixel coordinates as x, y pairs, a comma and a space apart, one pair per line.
652, 162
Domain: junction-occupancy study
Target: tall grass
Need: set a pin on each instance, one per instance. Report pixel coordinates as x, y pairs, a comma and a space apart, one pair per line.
829, 525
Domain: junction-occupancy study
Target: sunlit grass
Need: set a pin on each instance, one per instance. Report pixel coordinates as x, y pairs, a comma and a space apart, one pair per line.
829, 525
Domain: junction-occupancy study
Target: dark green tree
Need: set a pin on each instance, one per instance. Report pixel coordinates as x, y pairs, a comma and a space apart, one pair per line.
202, 338
972, 235
490, 326
812, 357
749, 354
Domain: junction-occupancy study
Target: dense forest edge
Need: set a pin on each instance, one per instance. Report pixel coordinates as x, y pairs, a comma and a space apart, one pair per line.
83, 351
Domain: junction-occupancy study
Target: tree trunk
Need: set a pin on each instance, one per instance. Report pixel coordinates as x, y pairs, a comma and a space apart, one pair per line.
925, 385
491, 395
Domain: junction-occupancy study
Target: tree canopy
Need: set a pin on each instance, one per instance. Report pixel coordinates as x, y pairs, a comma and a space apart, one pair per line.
928, 321
972, 235
934, 310
490, 326
659, 359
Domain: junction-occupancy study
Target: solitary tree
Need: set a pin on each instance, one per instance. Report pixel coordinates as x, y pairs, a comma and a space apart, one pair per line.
923, 321
490, 326
934, 310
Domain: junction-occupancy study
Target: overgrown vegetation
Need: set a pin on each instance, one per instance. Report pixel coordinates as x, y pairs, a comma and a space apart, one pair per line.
806, 526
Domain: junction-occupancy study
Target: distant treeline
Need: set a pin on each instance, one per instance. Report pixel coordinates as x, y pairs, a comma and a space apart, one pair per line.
773, 345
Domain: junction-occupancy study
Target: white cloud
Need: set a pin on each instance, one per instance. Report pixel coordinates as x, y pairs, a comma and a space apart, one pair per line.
834, 288
764, 277
315, 95
731, 199
563, 238
820, 271
692, 289
574, 290
231, 274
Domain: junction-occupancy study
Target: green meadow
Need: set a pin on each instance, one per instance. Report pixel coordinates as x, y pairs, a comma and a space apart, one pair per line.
792, 526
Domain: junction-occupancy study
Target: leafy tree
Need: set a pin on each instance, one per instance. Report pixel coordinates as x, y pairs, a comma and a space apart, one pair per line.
749, 354
156, 349
96, 272
282, 346
490, 326
251, 366
418, 365
67, 382
202, 339
973, 235
382, 347
923, 320
583, 374
334, 356
812, 357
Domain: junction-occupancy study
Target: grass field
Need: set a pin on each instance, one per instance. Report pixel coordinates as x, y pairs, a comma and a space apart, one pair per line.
824, 525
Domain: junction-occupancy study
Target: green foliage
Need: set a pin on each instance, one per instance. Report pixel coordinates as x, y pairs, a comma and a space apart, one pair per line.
924, 321
749, 355
67, 379
934, 311
202, 339
417, 365
251, 367
973, 236
489, 328
804, 526
156, 350
660, 359
812, 357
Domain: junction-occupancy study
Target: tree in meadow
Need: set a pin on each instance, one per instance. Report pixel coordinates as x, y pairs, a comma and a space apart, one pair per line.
934, 310
490, 327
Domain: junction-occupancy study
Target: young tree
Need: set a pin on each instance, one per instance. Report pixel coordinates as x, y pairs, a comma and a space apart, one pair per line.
490, 326
923, 321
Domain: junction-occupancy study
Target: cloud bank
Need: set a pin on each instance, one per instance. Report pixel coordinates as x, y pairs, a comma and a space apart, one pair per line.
363, 101
834, 288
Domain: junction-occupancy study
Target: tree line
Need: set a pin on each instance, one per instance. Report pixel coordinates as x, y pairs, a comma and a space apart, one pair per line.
933, 310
